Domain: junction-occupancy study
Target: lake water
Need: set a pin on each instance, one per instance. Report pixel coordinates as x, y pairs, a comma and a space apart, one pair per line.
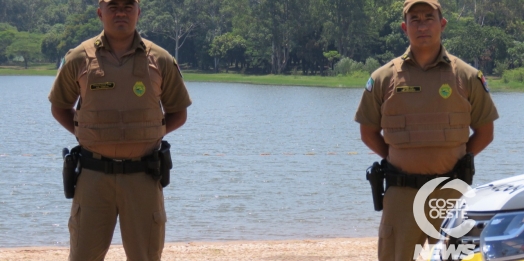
251, 163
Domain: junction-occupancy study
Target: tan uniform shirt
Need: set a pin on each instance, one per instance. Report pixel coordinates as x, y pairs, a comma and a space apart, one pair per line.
71, 83
434, 159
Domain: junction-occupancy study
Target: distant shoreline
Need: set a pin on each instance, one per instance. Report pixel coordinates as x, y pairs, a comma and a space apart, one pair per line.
495, 85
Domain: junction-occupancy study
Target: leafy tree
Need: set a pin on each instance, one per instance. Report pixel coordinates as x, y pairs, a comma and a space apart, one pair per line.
332, 56
279, 35
175, 19
51, 43
50, 15
26, 45
481, 45
7, 35
516, 55
78, 28
276, 17
224, 46
347, 26
391, 41
371, 65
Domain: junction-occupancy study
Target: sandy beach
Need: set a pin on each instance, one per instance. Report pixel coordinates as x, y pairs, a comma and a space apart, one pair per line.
340, 249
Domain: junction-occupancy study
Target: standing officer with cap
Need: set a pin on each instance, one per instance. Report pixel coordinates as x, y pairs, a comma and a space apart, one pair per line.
416, 113
130, 94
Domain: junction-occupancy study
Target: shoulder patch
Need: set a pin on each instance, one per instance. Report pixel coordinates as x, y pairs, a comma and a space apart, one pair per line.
369, 84
405, 56
483, 80
61, 63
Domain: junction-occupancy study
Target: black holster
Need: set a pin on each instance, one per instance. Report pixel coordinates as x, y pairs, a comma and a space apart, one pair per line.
160, 164
375, 176
465, 168
71, 170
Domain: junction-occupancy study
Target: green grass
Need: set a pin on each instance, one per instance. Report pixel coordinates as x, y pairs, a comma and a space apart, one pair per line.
47, 69
500, 86
298, 80
496, 84
28, 72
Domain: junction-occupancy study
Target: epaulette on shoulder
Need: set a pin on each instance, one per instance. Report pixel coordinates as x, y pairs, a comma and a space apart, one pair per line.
98, 43
75, 53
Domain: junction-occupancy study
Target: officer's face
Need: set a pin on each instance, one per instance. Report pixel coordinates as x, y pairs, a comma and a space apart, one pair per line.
423, 26
119, 17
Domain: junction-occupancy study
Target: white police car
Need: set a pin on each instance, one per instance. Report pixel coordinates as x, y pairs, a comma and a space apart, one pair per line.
498, 235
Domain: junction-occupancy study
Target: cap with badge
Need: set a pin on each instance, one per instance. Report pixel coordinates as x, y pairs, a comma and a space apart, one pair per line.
409, 3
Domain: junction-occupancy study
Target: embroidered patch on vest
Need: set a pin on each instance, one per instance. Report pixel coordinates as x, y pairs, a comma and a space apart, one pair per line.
369, 84
401, 89
445, 91
102, 86
139, 89
483, 80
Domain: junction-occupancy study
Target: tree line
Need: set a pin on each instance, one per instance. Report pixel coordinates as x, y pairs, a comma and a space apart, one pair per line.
326, 37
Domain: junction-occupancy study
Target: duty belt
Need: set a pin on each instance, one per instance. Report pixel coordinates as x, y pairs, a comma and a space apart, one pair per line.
400, 179
112, 166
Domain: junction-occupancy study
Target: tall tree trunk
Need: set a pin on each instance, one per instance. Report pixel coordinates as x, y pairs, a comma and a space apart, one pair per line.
177, 46
273, 57
217, 62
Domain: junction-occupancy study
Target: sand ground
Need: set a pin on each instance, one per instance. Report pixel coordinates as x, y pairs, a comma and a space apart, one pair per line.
340, 249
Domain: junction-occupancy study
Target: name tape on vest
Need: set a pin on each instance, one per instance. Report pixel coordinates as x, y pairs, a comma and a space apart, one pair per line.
102, 86
402, 89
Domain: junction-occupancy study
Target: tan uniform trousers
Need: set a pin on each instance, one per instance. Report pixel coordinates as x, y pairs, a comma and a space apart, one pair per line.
398, 232
99, 199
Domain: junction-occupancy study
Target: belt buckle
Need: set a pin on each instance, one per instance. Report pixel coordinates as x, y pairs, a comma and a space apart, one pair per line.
118, 167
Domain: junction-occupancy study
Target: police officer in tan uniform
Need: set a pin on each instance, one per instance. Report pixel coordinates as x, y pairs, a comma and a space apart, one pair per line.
128, 93
417, 112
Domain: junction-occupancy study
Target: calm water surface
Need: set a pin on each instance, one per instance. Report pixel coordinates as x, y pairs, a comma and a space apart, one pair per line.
251, 163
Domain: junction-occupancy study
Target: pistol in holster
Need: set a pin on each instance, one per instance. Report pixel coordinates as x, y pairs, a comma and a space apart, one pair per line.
465, 168
71, 170
375, 176
160, 164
